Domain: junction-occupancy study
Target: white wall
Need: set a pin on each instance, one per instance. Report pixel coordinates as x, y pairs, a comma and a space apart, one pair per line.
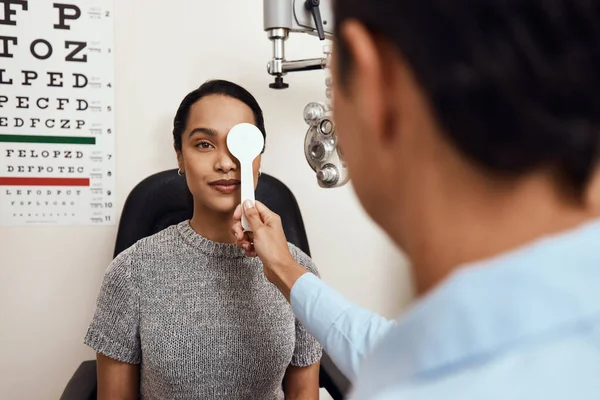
49, 277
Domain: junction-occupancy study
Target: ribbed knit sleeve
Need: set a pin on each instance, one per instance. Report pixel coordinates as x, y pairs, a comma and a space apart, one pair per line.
307, 350
114, 330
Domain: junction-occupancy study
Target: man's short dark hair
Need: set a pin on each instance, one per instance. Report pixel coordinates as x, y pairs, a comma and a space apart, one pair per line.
515, 84
215, 87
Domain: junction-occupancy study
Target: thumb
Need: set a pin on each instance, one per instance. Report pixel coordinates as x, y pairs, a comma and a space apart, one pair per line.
252, 215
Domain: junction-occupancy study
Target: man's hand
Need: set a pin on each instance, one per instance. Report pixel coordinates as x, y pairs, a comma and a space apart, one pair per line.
267, 241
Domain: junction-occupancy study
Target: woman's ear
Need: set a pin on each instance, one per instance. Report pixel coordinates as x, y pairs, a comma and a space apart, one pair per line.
180, 160
257, 164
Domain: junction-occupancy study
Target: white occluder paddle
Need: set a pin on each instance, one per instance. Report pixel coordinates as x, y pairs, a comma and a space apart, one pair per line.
246, 142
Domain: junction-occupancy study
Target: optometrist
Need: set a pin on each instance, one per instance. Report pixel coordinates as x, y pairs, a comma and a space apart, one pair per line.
471, 130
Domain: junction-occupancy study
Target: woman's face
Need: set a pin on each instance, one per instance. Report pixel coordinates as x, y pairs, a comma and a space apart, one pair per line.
211, 172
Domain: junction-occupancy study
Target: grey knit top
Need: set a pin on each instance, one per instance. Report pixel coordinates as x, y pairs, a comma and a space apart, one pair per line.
200, 318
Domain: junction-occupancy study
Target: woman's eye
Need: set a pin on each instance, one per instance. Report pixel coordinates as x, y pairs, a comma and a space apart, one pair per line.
204, 145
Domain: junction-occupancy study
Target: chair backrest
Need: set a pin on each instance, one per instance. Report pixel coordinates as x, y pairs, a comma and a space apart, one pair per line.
163, 199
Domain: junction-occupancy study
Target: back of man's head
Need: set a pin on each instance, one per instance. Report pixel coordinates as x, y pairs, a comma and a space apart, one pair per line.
515, 84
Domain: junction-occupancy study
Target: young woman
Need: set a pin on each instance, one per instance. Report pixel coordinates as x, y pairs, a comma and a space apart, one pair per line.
178, 315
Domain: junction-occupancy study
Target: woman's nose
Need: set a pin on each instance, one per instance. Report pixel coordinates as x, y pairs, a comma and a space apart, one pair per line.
226, 161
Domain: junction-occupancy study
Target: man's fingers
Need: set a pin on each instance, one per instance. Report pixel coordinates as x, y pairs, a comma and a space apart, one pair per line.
249, 249
237, 214
252, 215
247, 237
243, 244
238, 230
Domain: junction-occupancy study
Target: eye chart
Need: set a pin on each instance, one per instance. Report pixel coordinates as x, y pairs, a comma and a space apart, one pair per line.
57, 122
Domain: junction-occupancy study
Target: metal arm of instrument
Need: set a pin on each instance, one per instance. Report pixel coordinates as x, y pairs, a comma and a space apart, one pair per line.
282, 17
314, 17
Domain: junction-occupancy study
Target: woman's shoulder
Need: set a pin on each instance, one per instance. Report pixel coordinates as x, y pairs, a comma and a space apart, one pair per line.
161, 239
303, 259
153, 244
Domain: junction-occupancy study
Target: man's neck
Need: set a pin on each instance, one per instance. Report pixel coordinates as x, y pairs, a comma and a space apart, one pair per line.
464, 225
212, 225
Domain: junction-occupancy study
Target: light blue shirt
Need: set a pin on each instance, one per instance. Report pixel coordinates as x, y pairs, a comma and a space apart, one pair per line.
524, 325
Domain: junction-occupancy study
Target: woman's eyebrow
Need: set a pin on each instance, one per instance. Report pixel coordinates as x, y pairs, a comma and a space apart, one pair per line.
206, 131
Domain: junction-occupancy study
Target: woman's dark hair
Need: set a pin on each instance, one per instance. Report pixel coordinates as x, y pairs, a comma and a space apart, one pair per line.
515, 84
215, 87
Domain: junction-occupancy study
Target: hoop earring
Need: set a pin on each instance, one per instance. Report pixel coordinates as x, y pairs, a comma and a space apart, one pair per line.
179, 172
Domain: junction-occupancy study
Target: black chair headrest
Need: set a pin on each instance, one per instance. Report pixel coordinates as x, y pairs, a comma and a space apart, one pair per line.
163, 199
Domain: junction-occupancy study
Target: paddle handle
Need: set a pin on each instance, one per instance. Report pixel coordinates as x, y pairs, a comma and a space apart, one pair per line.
247, 190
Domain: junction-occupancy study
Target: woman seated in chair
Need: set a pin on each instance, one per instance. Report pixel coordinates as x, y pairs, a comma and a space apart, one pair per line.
184, 314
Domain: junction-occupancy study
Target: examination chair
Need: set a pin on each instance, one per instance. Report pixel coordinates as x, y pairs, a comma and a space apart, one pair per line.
162, 200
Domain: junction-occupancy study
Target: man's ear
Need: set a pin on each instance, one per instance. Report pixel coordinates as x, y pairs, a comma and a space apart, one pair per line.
592, 193
367, 83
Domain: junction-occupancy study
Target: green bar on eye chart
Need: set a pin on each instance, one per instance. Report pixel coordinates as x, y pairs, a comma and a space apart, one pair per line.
47, 139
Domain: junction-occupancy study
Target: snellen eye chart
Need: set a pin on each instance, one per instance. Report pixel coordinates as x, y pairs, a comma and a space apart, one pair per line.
57, 119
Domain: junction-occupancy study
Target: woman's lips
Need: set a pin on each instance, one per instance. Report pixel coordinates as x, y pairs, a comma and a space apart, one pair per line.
226, 186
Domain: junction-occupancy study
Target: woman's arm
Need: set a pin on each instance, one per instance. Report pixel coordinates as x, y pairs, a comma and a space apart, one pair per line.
302, 383
114, 331
117, 380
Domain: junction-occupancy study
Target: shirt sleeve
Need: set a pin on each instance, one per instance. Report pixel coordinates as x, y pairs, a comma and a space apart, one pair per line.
308, 351
114, 330
346, 332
